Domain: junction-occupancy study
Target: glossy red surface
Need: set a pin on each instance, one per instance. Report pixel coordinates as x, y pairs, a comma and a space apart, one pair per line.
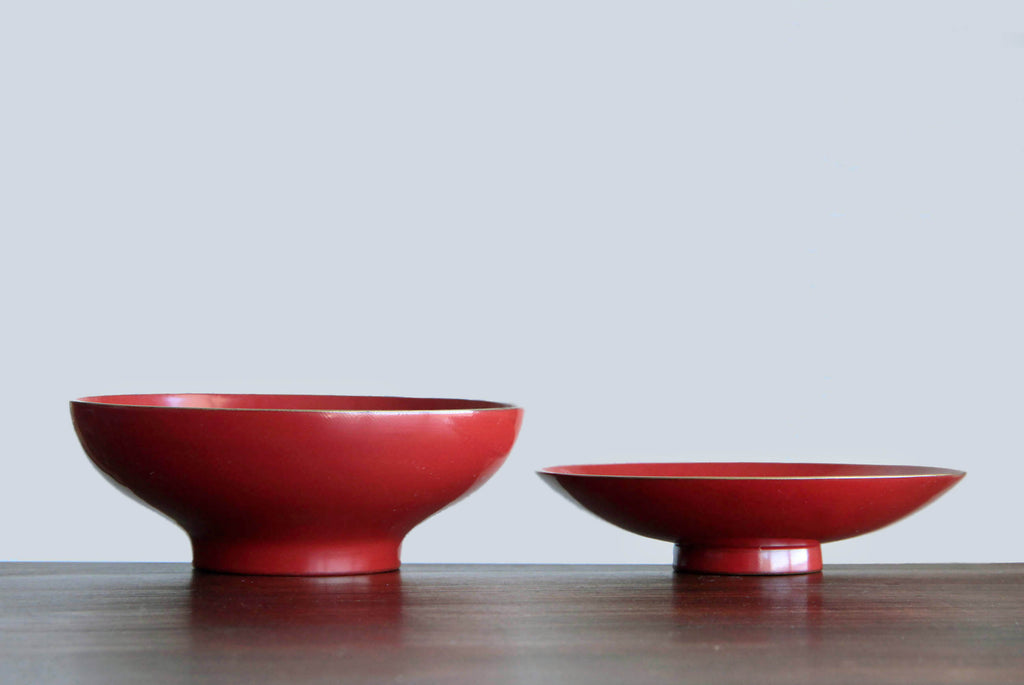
295, 484
750, 518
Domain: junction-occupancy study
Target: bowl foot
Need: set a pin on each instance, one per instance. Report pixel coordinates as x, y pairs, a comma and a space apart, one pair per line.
754, 561
295, 558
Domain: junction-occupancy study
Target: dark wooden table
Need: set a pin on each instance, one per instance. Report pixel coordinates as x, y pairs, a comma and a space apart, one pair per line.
162, 623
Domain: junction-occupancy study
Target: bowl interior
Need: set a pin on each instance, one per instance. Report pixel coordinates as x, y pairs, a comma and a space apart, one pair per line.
318, 403
747, 471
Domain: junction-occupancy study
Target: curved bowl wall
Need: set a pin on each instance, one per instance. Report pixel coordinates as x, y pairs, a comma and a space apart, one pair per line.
295, 484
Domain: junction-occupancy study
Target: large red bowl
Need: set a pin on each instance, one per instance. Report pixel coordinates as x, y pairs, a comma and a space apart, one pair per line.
295, 484
750, 518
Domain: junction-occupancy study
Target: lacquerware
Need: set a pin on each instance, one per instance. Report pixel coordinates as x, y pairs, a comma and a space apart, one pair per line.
295, 484
750, 518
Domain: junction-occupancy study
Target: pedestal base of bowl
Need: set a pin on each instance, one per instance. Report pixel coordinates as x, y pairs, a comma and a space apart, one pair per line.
295, 558
748, 561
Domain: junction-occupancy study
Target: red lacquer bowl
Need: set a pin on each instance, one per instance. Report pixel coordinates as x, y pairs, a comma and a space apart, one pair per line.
750, 518
295, 484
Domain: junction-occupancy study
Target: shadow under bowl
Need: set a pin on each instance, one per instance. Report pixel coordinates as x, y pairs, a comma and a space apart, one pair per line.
295, 484
750, 518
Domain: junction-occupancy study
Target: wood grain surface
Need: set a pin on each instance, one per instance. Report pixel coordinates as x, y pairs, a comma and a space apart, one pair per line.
588, 625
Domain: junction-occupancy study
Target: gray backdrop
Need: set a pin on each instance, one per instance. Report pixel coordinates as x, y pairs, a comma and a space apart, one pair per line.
670, 230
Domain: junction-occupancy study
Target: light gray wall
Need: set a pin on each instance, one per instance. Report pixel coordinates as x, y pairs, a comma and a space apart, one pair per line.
670, 230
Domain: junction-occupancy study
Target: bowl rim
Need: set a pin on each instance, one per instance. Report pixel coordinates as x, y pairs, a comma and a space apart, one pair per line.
921, 471
111, 401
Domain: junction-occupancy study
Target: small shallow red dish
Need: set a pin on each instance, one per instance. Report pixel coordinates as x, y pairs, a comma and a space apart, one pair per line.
295, 484
750, 518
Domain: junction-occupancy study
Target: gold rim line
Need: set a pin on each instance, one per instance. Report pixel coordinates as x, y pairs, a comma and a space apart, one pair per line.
942, 473
462, 410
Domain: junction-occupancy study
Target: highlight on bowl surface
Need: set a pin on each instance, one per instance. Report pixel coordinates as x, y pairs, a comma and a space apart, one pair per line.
750, 518
295, 484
